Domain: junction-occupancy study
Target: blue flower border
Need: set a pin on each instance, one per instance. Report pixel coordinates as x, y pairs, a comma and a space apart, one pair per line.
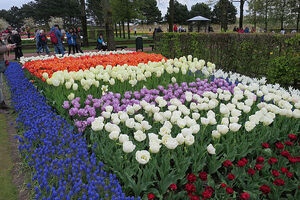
62, 167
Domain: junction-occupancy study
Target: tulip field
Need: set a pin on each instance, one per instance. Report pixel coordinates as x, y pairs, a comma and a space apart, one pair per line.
133, 125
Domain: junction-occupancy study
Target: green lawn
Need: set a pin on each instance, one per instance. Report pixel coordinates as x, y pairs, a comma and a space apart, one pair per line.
8, 190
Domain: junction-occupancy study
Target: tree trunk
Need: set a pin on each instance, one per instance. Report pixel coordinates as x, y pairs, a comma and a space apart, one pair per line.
84, 23
242, 2
128, 29
266, 15
282, 14
123, 26
171, 15
298, 19
109, 25
116, 29
255, 19
120, 29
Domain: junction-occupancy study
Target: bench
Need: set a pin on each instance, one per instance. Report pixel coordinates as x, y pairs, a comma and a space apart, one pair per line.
121, 47
152, 46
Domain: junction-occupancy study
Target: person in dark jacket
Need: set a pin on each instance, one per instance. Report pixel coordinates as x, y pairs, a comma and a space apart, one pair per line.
43, 43
16, 39
78, 40
71, 38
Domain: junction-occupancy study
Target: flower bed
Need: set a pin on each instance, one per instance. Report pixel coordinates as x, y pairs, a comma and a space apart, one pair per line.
62, 167
154, 123
74, 64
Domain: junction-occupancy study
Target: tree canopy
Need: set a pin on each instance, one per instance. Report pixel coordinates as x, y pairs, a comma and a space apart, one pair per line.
201, 9
224, 13
181, 13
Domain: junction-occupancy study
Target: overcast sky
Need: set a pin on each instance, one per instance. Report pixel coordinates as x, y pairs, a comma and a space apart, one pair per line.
162, 4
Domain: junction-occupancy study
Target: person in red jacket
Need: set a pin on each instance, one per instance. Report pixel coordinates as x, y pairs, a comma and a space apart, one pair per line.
175, 28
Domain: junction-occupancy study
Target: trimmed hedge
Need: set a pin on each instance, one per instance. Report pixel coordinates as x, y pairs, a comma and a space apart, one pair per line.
248, 54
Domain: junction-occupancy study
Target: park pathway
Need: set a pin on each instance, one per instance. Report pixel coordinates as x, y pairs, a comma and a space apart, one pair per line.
12, 171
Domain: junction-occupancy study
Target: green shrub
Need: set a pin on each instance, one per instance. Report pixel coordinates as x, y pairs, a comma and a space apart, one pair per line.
248, 54
282, 70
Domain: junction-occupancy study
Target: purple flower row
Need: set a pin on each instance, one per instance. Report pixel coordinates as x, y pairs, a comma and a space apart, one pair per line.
86, 115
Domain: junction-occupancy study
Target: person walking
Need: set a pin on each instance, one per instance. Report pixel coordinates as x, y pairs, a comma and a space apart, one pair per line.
71, 38
3, 64
78, 41
16, 39
55, 37
36, 38
43, 43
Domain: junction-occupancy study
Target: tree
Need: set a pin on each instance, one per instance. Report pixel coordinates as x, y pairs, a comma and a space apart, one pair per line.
68, 10
201, 9
29, 22
95, 10
295, 12
181, 13
83, 22
109, 25
149, 11
12, 16
224, 13
3, 24
56, 20
171, 11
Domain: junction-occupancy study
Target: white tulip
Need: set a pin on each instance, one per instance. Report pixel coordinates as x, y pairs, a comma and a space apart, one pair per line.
114, 135
223, 129
154, 147
75, 86
204, 121
210, 149
189, 139
225, 121
180, 139
142, 157
123, 138
234, 127
71, 96
249, 125
139, 136
215, 134
128, 147
171, 143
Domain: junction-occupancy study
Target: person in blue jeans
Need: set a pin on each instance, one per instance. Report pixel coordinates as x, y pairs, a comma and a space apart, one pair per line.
43, 43
71, 37
58, 46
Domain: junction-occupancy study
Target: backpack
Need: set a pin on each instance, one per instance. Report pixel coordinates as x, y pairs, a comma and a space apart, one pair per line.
53, 37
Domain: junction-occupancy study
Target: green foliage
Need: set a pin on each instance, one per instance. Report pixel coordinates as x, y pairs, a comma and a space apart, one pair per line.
201, 9
248, 54
95, 10
224, 13
181, 13
149, 11
282, 69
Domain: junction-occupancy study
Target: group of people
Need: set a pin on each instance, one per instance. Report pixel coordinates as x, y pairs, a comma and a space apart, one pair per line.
178, 29
57, 37
12, 36
246, 30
